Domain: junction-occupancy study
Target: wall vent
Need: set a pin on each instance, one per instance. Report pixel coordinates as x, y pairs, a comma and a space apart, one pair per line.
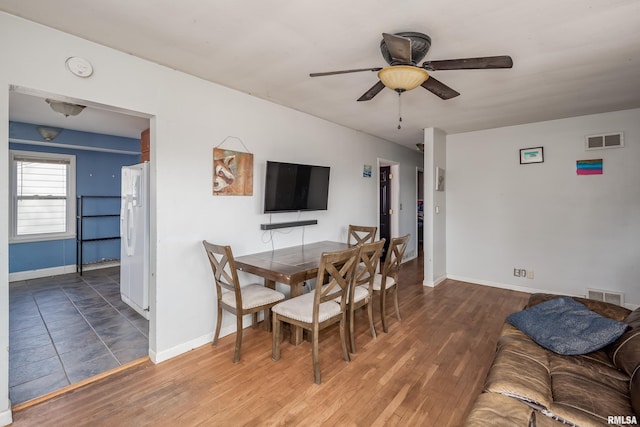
599, 142
606, 296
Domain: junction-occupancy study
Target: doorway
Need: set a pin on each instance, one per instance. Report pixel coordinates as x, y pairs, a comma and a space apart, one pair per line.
66, 327
420, 208
388, 201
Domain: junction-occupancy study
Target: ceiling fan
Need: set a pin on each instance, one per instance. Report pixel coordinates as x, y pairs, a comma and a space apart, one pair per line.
402, 51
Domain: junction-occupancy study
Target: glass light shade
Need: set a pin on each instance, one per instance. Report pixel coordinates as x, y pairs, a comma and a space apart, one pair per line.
402, 77
47, 133
65, 108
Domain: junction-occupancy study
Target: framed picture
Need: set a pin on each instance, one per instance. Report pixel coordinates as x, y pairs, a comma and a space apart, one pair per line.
232, 173
439, 179
531, 155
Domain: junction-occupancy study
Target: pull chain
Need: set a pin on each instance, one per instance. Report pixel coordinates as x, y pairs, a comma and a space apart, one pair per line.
399, 109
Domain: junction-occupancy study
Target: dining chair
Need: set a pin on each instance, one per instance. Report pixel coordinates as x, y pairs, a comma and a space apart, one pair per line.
318, 309
387, 281
361, 293
249, 299
359, 234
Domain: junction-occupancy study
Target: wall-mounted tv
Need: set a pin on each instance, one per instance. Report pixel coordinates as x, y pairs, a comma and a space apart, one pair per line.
293, 187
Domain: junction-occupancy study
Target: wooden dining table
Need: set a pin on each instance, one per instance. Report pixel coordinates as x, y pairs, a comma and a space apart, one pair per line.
291, 266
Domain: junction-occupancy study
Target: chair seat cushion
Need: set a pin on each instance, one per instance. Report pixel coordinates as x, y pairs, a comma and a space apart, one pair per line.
359, 293
377, 282
253, 295
301, 309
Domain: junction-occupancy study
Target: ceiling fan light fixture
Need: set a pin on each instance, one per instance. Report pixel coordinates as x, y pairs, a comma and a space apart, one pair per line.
65, 108
402, 77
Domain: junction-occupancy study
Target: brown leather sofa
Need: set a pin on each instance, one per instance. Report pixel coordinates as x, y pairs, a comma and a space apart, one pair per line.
528, 385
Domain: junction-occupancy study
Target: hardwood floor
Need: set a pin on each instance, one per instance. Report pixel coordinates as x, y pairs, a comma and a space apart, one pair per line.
426, 371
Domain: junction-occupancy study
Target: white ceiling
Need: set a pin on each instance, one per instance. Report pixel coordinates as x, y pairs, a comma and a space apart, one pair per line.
571, 57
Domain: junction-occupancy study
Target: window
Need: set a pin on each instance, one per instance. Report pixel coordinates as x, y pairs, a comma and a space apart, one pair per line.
42, 196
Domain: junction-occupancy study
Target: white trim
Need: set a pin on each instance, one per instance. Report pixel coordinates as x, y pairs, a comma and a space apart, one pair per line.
43, 272
435, 283
72, 147
158, 357
6, 417
56, 271
520, 288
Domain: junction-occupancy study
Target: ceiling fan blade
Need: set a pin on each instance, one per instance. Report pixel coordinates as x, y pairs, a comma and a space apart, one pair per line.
399, 48
331, 73
438, 88
485, 62
375, 89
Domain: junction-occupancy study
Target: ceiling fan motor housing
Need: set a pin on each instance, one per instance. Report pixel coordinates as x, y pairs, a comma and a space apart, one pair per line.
420, 44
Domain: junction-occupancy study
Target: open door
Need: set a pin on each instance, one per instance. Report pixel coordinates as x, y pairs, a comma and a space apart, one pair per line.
385, 207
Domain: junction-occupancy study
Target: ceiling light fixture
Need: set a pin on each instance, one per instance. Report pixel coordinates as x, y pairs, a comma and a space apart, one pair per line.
402, 77
48, 134
65, 108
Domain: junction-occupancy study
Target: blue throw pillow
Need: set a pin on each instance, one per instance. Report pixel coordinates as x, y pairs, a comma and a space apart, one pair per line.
567, 327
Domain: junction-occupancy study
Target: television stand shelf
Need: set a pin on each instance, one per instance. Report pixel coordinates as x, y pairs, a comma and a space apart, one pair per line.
275, 225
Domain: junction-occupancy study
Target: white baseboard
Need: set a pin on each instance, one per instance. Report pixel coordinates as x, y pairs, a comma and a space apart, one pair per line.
436, 282
161, 356
57, 271
43, 272
6, 417
505, 285
520, 288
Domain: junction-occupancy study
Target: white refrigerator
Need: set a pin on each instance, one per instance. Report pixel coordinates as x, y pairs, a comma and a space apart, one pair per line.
134, 238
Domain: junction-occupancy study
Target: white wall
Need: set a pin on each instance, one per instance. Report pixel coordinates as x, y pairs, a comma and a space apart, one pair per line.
573, 231
190, 117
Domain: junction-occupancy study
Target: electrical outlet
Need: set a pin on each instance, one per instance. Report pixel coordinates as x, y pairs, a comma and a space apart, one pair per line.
530, 274
523, 272
516, 272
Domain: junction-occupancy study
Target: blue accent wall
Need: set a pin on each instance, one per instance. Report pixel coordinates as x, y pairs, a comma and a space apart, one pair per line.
97, 174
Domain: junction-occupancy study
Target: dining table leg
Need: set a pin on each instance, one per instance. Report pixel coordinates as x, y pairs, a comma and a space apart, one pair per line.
296, 290
296, 331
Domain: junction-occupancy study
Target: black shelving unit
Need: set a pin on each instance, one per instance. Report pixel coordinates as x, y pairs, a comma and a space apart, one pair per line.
80, 218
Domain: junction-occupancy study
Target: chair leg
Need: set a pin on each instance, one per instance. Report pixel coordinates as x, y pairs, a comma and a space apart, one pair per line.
276, 338
372, 327
267, 318
218, 325
343, 338
254, 320
352, 337
315, 356
382, 311
236, 355
395, 297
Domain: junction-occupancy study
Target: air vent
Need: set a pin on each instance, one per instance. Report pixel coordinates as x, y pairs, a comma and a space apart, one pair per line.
606, 296
599, 142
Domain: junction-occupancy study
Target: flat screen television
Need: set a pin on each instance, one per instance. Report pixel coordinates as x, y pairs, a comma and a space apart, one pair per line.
293, 187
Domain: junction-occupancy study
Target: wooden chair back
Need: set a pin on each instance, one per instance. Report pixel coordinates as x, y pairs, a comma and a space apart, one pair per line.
335, 277
395, 253
360, 234
224, 270
369, 260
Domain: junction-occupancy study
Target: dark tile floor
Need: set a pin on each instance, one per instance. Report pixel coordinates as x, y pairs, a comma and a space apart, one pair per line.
63, 329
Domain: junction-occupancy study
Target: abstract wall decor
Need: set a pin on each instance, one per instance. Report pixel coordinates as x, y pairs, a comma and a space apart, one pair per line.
589, 167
